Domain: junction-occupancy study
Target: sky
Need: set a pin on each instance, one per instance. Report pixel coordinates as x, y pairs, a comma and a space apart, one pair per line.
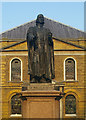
16, 13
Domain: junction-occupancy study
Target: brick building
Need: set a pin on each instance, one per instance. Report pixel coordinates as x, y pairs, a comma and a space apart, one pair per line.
69, 52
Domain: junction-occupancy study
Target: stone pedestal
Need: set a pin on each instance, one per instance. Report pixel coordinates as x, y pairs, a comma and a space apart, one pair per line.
41, 101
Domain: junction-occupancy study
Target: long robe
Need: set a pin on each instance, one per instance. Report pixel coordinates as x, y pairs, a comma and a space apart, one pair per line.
40, 52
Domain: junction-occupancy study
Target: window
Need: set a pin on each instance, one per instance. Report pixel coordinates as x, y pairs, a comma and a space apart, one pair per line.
70, 104
15, 70
70, 69
15, 105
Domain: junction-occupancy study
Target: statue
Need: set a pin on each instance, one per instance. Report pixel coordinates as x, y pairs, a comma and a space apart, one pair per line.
40, 53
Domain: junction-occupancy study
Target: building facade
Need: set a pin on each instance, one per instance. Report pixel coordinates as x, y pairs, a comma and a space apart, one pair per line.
69, 54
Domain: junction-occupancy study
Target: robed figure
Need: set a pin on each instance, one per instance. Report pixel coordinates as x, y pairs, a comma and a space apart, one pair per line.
40, 53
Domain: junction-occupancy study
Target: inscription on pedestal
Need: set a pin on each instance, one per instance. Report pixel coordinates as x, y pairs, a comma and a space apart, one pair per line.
42, 86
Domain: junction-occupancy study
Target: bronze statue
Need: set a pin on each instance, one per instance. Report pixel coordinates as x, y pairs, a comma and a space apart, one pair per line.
40, 53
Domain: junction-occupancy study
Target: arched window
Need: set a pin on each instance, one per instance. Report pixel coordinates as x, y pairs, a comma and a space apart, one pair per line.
15, 70
15, 105
69, 69
70, 104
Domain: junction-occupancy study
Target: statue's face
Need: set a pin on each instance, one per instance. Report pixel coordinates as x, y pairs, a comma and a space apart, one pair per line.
40, 18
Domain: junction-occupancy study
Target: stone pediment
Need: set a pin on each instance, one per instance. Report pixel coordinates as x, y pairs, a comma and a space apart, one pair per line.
58, 45
64, 45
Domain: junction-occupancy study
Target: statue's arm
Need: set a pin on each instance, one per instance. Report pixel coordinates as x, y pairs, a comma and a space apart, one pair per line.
50, 39
30, 36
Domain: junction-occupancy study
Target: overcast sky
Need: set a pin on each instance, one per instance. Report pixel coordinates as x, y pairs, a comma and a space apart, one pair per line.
17, 13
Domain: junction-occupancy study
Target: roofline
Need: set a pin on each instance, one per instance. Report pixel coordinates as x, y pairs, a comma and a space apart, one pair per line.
46, 18
11, 40
17, 26
16, 40
65, 24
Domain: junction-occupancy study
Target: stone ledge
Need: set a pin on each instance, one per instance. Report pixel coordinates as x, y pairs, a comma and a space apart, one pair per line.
42, 86
43, 93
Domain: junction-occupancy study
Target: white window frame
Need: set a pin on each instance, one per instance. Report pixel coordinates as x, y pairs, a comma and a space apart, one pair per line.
14, 115
21, 66
71, 115
75, 70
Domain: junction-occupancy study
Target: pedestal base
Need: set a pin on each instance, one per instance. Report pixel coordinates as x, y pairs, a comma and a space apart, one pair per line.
41, 104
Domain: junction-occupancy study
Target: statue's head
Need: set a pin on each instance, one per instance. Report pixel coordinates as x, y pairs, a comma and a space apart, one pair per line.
40, 19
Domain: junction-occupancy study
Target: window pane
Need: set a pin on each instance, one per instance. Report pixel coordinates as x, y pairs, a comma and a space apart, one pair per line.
70, 69
15, 105
16, 70
70, 104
